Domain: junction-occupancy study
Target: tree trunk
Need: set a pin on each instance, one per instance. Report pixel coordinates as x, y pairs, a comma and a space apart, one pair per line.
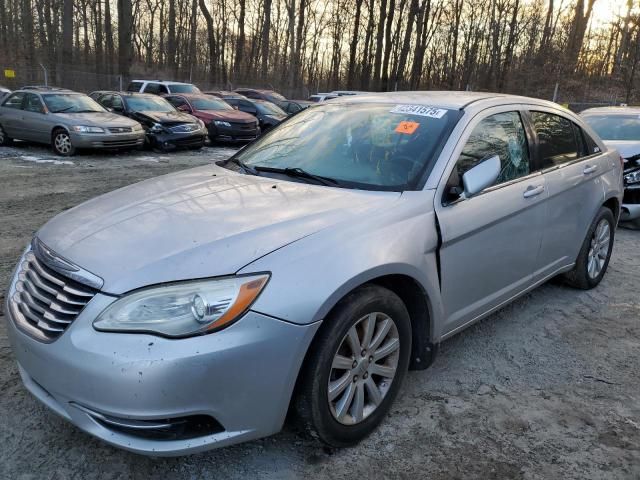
353, 47
125, 19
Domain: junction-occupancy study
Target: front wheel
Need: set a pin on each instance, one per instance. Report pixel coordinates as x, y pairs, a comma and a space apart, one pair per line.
595, 253
355, 366
61, 143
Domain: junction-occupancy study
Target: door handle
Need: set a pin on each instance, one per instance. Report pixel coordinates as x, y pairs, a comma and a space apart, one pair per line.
532, 191
589, 169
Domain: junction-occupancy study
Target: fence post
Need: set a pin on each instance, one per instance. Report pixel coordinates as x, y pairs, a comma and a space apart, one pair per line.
46, 78
555, 93
120, 81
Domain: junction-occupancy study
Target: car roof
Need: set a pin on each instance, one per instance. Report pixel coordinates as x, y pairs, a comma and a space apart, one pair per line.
127, 94
190, 96
166, 82
47, 90
456, 100
612, 111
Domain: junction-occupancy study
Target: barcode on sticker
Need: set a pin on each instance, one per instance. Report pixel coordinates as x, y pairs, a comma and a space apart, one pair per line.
420, 110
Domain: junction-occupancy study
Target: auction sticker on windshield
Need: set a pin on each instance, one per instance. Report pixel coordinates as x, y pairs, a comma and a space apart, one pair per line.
407, 127
420, 110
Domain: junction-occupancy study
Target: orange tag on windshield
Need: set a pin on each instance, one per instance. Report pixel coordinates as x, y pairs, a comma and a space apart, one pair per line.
407, 127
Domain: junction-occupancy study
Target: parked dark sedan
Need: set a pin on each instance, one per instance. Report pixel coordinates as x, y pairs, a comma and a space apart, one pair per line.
224, 94
167, 128
269, 115
261, 94
223, 122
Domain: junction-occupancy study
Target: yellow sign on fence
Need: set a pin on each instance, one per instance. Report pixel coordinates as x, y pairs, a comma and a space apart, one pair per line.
10, 73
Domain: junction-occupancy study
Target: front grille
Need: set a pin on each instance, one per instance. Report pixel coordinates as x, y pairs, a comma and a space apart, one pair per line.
120, 129
45, 302
244, 126
189, 141
185, 128
119, 143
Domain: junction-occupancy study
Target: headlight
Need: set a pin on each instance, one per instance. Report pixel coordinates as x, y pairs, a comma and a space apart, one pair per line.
633, 177
83, 129
137, 127
156, 128
220, 123
183, 309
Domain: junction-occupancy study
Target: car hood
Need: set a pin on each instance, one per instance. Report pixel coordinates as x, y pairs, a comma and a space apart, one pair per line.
95, 119
164, 118
227, 115
626, 148
199, 223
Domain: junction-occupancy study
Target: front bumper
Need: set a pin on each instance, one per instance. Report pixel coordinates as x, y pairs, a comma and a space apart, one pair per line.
107, 141
630, 203
173, 141
235, 133
241, 377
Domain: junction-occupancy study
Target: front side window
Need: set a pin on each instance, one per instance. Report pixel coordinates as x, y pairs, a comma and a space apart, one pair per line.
134, 87
268, 108
33, 104
370, 146
503, 135
176, 101
615, 126
557, 142
14, 101
210, 104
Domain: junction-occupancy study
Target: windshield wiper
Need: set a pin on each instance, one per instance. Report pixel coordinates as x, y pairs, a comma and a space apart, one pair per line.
87, 111
63, 109
299, 173
244, 166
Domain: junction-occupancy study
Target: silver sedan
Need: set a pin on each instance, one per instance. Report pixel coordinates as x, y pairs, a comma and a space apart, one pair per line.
65, 120
309, 271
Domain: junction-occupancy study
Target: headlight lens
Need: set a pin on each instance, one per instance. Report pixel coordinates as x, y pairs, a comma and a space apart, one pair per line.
157, 128
85, 129
220, 123
183, 309
137, 127
632, 177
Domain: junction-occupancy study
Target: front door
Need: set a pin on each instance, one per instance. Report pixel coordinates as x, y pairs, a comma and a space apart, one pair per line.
490, 242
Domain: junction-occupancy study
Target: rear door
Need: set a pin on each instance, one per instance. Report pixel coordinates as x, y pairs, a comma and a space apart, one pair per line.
490, 242
11, 115
572, 171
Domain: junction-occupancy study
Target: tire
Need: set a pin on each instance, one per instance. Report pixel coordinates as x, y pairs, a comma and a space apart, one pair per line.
61, 143
339, 422
5, 140
592, 264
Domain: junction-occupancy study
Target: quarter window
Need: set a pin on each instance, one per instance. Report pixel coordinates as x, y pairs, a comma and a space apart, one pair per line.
14, 101
557, 143
503, 135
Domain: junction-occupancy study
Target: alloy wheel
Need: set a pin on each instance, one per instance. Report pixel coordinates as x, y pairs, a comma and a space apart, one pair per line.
363, 368
599, 248
62, 143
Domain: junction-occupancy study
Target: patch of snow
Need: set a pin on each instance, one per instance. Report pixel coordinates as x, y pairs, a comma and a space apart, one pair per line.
30, 158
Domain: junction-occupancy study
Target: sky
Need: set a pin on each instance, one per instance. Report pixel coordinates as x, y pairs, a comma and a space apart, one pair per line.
604, 11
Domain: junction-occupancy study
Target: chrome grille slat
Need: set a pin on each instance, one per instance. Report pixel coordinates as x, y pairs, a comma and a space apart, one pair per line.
45, 301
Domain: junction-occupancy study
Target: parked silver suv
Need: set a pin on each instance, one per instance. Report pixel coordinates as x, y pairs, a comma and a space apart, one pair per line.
66, 120
310, 270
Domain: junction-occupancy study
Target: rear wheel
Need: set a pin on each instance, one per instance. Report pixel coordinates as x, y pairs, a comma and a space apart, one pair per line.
595, 253
5, 140
355, 366
61, 143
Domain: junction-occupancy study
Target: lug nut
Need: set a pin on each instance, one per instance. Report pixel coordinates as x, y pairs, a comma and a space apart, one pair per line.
354, 364
365, 376
364, 353
371, 358
355, 378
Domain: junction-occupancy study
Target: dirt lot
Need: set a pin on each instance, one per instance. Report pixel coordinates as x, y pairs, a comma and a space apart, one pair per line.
547, 388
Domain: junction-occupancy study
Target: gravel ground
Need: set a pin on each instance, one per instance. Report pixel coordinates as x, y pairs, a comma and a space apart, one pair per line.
546, 388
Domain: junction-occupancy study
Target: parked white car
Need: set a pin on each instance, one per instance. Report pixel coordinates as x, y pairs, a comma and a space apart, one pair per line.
161, 87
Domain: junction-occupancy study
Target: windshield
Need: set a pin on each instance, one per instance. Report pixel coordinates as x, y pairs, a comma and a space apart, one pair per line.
70, 103
370, 146
180, 88
210, 104
148, 104
268, 108
615, 127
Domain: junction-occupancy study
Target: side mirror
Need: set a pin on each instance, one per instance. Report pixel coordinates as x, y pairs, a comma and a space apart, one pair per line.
481, 176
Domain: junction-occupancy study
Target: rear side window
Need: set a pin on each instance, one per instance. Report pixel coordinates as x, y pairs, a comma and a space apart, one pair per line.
503, 135
557, 143
33, 104
14, 101
156, 88
134, 87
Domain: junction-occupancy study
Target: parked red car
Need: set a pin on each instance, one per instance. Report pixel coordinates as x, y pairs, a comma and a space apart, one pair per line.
224, 123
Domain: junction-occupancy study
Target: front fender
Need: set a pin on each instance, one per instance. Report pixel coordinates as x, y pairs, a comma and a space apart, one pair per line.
311, 275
